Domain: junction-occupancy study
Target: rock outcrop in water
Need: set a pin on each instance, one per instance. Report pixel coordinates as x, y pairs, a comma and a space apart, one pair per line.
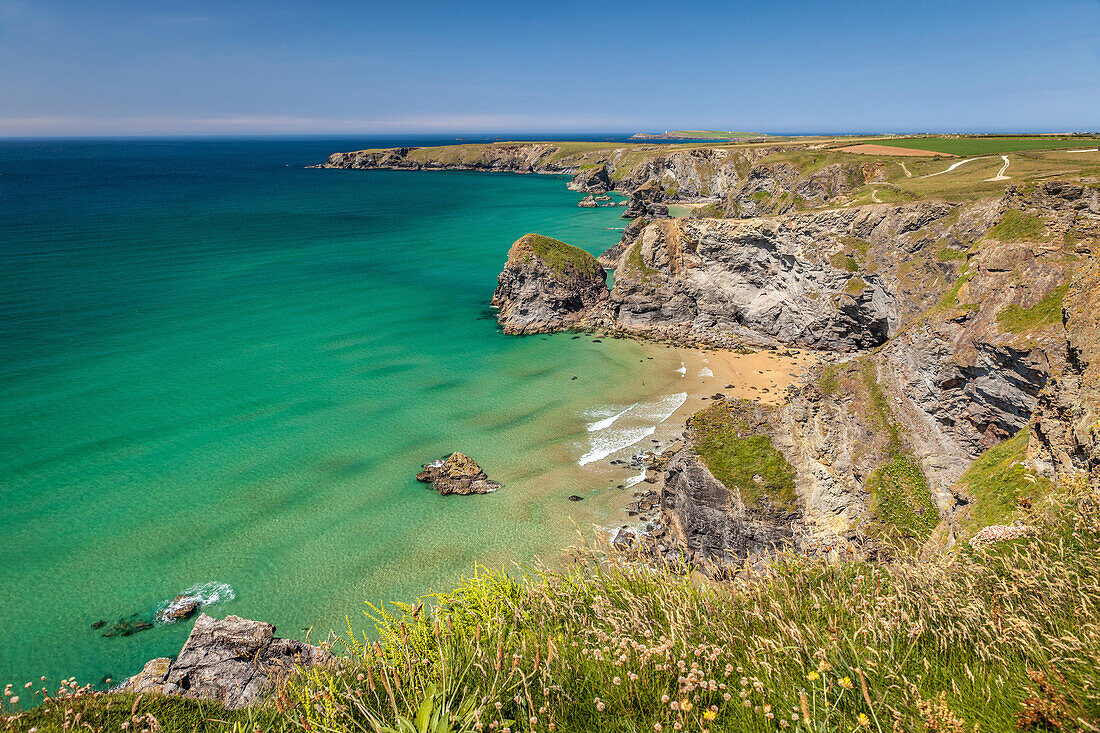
547, 285
233, 661
457, 474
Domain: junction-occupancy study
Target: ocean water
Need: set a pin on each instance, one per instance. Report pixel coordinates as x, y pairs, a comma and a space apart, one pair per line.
220, 372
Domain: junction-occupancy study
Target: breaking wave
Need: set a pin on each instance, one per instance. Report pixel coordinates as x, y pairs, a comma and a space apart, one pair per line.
640, 421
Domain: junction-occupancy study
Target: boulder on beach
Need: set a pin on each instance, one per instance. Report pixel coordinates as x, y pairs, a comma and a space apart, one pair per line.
457, 474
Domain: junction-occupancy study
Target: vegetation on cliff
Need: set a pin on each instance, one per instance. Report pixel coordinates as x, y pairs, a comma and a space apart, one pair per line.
998, 638
733, 442
561, 257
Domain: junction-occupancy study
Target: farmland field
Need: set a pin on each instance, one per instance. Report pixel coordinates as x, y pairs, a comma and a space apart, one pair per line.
991, 145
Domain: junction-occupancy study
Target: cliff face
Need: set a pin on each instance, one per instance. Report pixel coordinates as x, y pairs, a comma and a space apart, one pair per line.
547, 285
741, 181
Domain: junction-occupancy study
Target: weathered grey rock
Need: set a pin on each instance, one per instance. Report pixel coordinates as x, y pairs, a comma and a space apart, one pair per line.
610, 256
233, 661
591, 179
763, 276
709, 521
457, 474
588, 202
150, 678
547, 285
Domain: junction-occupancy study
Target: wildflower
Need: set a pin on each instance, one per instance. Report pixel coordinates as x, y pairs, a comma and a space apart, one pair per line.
599, 705
616, 681
657, 727
664, 699
769, 716
726, 696
863, 719
28, 685
710, 715
677, 725
497, 705
812, 676
685, 705
674, 705
747, 703
846, 682
534, 720
783, 724
14, 699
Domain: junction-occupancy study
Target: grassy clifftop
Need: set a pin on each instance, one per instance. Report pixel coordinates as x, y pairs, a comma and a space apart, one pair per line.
560, 257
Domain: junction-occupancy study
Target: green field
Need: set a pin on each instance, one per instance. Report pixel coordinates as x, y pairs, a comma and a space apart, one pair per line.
991, 145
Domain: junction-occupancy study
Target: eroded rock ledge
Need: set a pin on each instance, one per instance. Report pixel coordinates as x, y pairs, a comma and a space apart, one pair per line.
233, 661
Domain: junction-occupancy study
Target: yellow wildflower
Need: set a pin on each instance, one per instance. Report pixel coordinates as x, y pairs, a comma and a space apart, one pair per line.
846, 683
812, 676
863, 719
710, 715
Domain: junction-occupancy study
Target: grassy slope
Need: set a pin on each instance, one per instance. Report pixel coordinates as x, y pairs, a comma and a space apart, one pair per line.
736, 449
1001, 486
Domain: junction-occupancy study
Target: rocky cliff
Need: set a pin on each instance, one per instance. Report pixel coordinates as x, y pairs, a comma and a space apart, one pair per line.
547, 285
949, 327
739, 180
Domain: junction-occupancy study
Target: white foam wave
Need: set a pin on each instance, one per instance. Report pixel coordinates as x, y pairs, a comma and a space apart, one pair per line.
635, 480
204, 594
683, 370
609, 421
706, 372
614, 442
606, 441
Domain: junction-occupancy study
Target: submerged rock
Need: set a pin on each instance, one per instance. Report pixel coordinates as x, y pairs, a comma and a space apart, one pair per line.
547, 285
233, 661
457, 474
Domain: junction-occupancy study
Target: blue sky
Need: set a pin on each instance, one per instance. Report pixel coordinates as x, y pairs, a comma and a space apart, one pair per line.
145, 67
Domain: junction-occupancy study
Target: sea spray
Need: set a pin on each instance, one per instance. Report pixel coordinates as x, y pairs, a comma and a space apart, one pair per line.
203, 594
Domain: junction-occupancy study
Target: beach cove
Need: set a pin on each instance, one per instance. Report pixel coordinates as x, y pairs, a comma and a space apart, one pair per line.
224, 379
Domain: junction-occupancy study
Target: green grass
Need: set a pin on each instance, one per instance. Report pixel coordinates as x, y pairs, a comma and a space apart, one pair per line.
736, 449
99, 711
951, 644
950, 254
1001, 485
1047, 312
901, 501
950, 298
855, 244
563, 258
828, 383
841, 261
1017, 226
634, 259
989, 145
855, 286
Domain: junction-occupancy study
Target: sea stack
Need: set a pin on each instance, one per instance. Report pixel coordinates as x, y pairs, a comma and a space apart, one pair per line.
547, 285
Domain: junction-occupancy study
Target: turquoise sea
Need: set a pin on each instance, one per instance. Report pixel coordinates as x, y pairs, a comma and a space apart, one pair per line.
221, 370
